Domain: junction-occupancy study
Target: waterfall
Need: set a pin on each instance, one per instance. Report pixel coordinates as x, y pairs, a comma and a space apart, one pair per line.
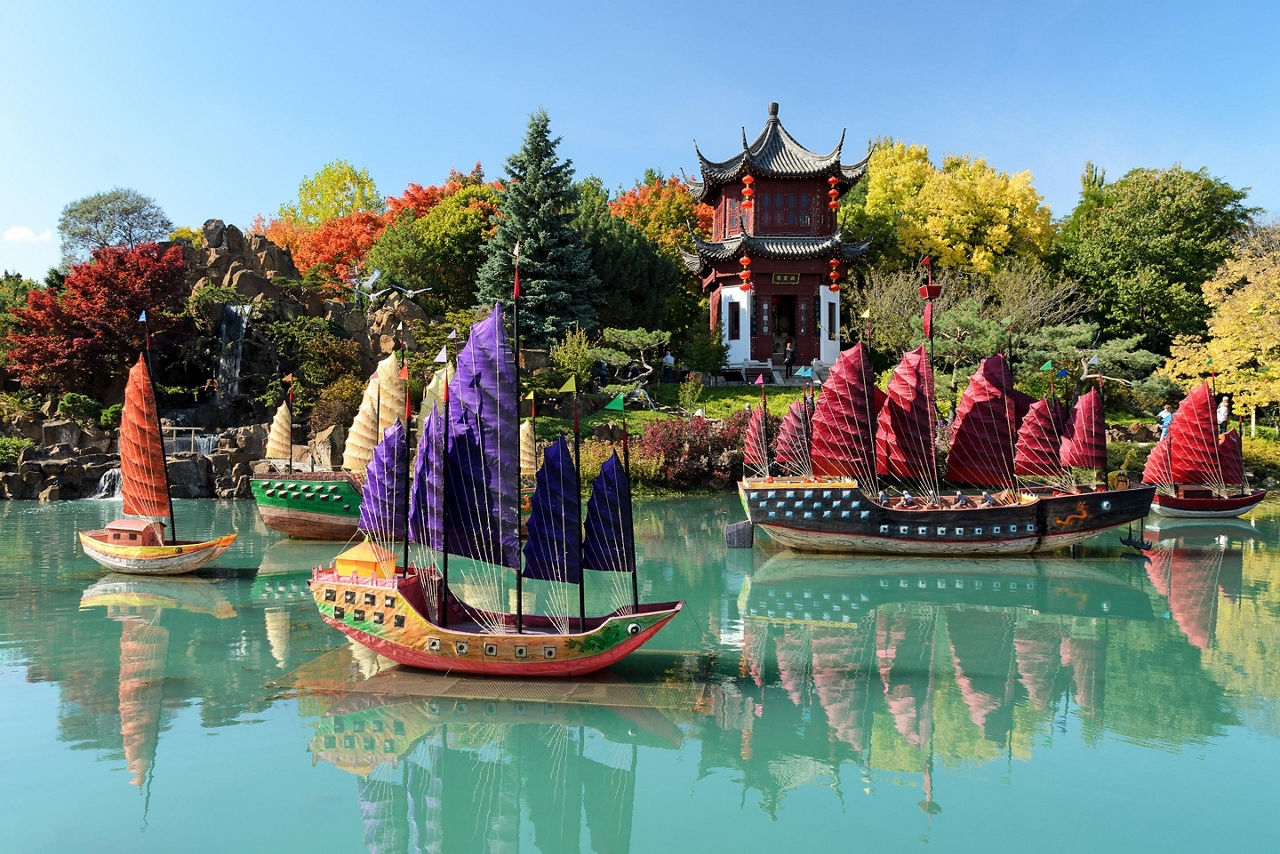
234, 321
109, 485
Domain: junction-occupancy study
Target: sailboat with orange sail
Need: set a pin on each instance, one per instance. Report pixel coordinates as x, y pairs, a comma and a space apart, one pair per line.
137, 543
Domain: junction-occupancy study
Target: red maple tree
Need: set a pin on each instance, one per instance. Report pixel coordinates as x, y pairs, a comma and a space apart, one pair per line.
83, 336
663, 210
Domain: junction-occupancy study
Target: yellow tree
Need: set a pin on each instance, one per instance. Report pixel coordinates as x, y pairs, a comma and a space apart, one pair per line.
1242, 346
965, 215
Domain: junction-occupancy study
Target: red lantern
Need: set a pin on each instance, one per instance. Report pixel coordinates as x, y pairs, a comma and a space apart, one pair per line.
832, 181
745, 261
748, 180
835, 289
744, 275
833, 193
833, 263
833, 204
834, 275
746, 286
747, 191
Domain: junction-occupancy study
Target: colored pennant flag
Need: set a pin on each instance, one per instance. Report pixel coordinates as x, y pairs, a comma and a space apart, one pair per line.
142, 318
571, 385
760, 379
288, 378
443, 355
1061, 373
617, 404
926, 261
529, 396
404, 372
517, 255
1047, 366
1094, 361
1006, 321
1209, 361
866, 315
928, 319
453, 335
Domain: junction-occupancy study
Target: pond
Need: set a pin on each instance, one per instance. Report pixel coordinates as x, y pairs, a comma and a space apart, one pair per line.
1102, 700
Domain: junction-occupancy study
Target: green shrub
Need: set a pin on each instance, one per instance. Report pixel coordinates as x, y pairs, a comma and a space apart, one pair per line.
574, 356
110, 416
79, 407
338, 404
1262, 457
10, 450
690, 392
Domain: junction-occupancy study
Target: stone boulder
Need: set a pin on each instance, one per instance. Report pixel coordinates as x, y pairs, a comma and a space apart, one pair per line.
326, 447
62, 431
251, 440
214, 232
234, 238
190, 476
1140, 432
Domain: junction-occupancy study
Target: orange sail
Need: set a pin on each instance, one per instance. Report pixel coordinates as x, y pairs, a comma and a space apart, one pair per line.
144, 483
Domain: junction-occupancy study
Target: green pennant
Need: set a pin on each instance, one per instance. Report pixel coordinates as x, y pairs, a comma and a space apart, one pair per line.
1209, 361
616, 404
1047, 366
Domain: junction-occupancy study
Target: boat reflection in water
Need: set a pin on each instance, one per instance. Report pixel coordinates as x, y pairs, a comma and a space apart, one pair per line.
882, 649
463, 773
138, 604
1190, 563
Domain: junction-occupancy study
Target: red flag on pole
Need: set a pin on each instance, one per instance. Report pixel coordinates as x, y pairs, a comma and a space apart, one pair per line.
928, 319
517, 291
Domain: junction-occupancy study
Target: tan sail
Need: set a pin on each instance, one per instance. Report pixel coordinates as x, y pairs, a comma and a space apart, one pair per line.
280, 439
433, 394
528, 450
383, 403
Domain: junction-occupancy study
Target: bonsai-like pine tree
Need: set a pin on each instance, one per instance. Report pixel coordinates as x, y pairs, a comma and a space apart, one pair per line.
558, 289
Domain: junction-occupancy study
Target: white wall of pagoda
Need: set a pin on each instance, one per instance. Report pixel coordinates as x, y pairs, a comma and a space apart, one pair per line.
829, 326
735, 300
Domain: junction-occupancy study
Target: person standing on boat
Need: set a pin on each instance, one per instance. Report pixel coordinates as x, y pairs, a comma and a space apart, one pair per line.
788, 359
1224, 413
1163, 420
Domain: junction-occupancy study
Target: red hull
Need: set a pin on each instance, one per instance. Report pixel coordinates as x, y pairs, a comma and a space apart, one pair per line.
1235, 505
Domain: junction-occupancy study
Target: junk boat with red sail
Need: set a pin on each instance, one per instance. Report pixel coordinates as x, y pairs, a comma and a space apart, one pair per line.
136, 544
839, 457
463, 505
1197, 472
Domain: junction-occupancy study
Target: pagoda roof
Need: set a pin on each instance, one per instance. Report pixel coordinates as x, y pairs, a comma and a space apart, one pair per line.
772, 246
775, 153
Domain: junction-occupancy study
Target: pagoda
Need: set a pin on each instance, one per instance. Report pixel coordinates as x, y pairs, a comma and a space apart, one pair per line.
775, 259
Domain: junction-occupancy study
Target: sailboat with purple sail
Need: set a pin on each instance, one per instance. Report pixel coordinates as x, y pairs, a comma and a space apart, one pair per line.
459, 505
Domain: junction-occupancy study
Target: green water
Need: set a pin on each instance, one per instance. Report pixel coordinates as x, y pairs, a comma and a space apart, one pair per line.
1103, 703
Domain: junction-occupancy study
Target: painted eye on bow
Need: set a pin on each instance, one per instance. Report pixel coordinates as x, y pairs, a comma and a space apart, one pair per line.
633, 628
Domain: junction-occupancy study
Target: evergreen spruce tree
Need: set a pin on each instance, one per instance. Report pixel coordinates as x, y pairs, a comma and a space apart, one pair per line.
558, 289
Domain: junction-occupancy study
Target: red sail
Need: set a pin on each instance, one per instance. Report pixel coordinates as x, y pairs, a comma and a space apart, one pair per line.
904, 430
1231, 456
1157, 468
792, 453
1085, 443
1039, 440
843, 443
755, 454
142, 476
987, 419
1193, 439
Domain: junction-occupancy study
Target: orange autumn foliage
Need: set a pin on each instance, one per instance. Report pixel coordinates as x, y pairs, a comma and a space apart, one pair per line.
340, 245
662, 210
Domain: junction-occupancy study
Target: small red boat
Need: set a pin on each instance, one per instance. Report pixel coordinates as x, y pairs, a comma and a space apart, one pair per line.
1197, 472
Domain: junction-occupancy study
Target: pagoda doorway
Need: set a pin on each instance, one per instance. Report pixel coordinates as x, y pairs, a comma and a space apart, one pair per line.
783, 309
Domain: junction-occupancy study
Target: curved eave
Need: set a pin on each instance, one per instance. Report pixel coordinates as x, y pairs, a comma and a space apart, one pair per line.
781, 248
774, 154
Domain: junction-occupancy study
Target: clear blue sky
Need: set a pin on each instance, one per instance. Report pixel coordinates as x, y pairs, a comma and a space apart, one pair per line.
218, 110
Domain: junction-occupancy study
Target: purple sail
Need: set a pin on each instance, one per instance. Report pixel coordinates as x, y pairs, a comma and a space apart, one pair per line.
552, 549
481, 504
609, 544
382, 505
426, 518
